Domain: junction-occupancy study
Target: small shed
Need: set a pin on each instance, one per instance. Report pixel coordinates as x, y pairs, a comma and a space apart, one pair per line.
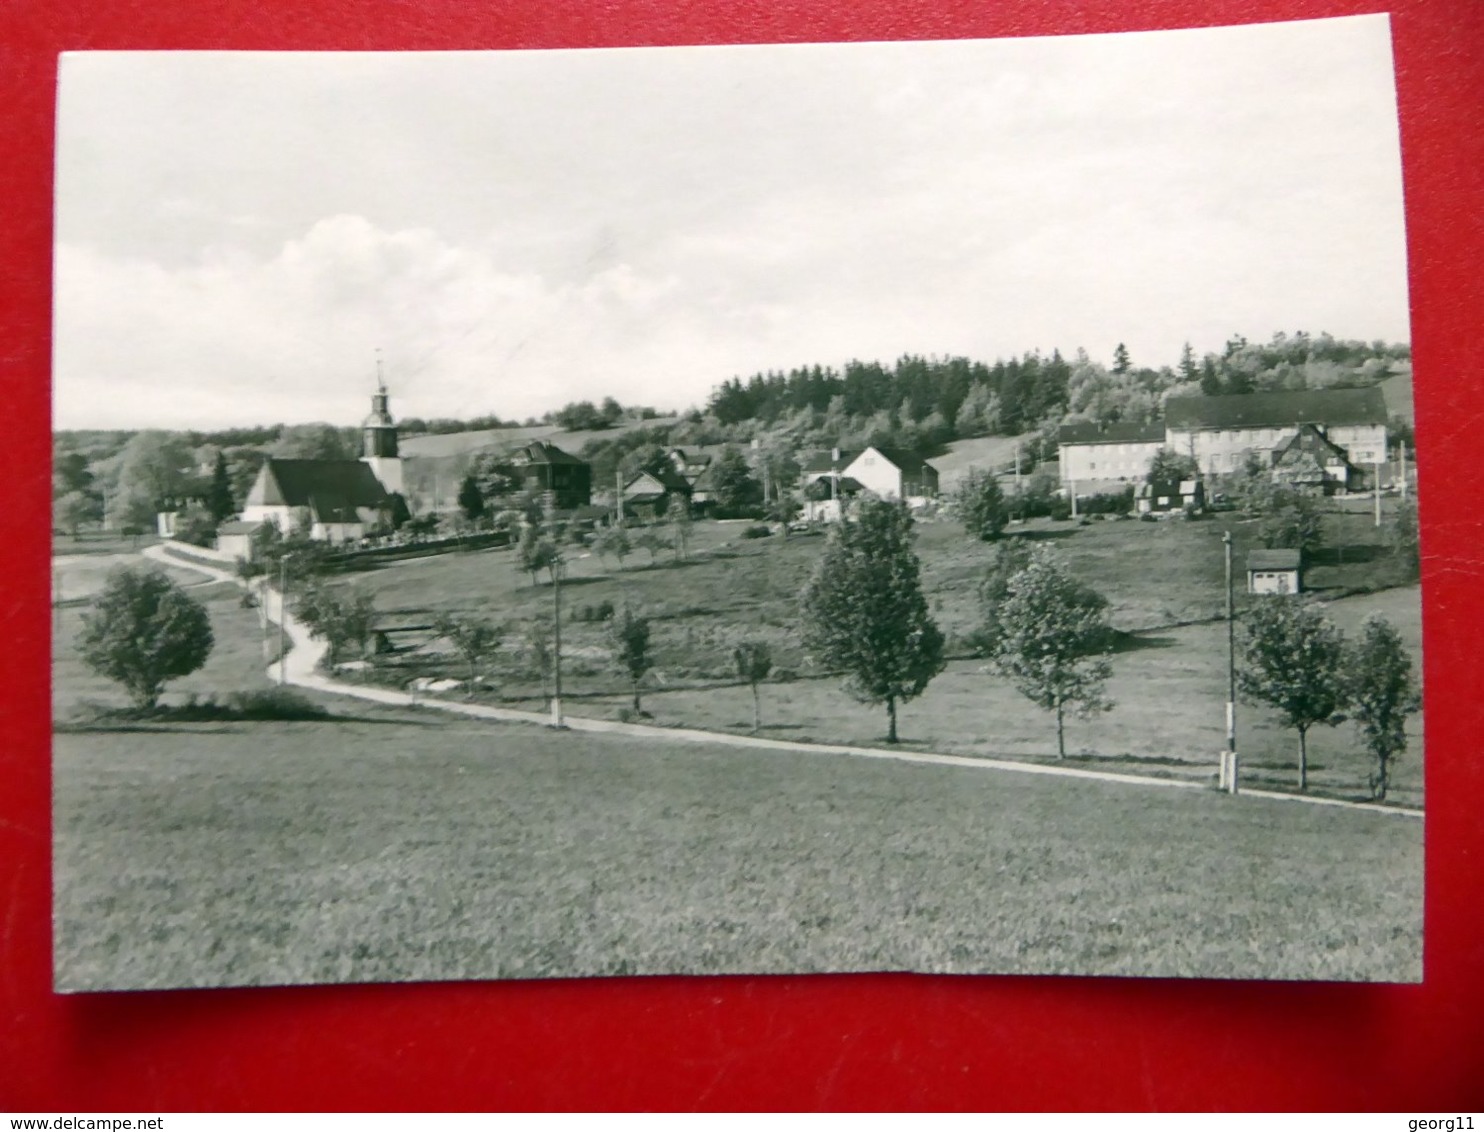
1273, 572
235, 538
1169, 495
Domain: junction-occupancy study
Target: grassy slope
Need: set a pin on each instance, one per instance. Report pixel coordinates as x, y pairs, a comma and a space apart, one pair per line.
457, 443
993, 453
425, 848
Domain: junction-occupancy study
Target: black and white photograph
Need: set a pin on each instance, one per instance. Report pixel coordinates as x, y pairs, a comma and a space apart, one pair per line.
940, 506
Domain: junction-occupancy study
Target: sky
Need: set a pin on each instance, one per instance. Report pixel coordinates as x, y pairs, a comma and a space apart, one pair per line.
239, 234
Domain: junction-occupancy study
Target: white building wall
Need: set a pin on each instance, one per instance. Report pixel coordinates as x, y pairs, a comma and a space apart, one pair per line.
388, 469
1364, 444
876, 474
1111, 461
1273, 582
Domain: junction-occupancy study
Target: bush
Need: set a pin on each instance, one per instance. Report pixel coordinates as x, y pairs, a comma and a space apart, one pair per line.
760, 530
276, 704
600, 611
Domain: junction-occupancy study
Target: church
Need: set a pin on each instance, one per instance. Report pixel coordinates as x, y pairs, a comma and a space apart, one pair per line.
334, 501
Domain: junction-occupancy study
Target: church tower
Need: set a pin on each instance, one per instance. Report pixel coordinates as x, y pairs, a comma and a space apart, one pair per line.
379, 439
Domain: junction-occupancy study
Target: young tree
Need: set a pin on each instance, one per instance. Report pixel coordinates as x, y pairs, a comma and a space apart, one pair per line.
1402, 536
677, 514
1052, 641
614, 541
1121, 363
1008, 559
475, 639
74, 509
338, 617
539, 653
652, 541
142, 631
864, 613
471, 499
735, 489
629, 635
1169, 466
537, 551
219, 501
753, 660
1293, 660
196, 525
981, 504
1296, 523
1383, 692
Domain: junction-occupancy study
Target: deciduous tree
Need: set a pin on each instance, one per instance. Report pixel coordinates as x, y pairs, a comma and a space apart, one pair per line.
1383, 692
753, 661
1053, 640
1293, 660
864, 613
628, 633
475, 639
142, 631
981, 505
339, 617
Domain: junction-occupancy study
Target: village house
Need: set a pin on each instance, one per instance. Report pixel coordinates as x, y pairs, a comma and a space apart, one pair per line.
1169, 495
650, 491
543, 467
1274, 572
888, 473
1311, 463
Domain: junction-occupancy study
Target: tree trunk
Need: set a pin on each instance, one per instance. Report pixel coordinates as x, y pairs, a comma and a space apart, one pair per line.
757, 711
891, 718
637, 708
1303, 758
1061, 738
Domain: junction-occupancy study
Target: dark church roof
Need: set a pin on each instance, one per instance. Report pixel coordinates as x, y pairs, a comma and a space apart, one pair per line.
331, 489
1329, 407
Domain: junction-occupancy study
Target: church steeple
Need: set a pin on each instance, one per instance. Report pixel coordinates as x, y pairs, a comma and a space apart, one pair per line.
379, 433
379, 437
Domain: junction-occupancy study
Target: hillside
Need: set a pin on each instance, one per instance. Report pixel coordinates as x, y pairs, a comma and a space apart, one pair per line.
982, 452
459, 443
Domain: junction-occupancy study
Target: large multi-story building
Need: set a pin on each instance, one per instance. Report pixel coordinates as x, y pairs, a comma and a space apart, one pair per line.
1221, 433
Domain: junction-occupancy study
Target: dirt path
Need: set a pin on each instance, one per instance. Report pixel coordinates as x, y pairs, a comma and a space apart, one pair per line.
301, 667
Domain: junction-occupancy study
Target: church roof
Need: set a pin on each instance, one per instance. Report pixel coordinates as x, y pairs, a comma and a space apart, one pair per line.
331, 489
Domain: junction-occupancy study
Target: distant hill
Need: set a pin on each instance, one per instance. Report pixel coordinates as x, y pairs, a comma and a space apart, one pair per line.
1397, 389
987, 453
460, 443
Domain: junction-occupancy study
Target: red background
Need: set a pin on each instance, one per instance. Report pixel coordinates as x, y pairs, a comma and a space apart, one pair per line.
823, 1042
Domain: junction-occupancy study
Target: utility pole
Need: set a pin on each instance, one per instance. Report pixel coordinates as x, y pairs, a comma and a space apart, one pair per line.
283, 615
618, 495
1401, 466
1229, 757
556, 644
1017, 468
1376, 476
1072, 491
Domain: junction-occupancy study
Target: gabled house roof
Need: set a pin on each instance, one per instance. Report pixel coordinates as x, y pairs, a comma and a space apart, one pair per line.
1310, 440
821, 461
542, 452
1276, 410
662, 480
1120, 432
1273, 560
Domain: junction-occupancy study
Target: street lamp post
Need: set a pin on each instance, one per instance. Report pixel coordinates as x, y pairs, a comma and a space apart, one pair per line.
1229, 756
556, 644
283, 609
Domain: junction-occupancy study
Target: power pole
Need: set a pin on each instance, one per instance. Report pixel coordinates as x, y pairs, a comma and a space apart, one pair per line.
1376, 476
283, 616
1229, 756
556, 644
618, 495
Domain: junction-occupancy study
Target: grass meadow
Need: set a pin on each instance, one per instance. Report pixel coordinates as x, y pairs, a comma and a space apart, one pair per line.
395, 846
1165, 582
404, 844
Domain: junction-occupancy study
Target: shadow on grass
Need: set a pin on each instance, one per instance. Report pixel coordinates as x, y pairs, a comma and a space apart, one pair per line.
1138, 642
1043, 534
1348, 555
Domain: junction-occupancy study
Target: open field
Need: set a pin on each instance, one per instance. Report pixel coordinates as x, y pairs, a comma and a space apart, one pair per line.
986, 453
413, 846
440, 445
1165, 581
